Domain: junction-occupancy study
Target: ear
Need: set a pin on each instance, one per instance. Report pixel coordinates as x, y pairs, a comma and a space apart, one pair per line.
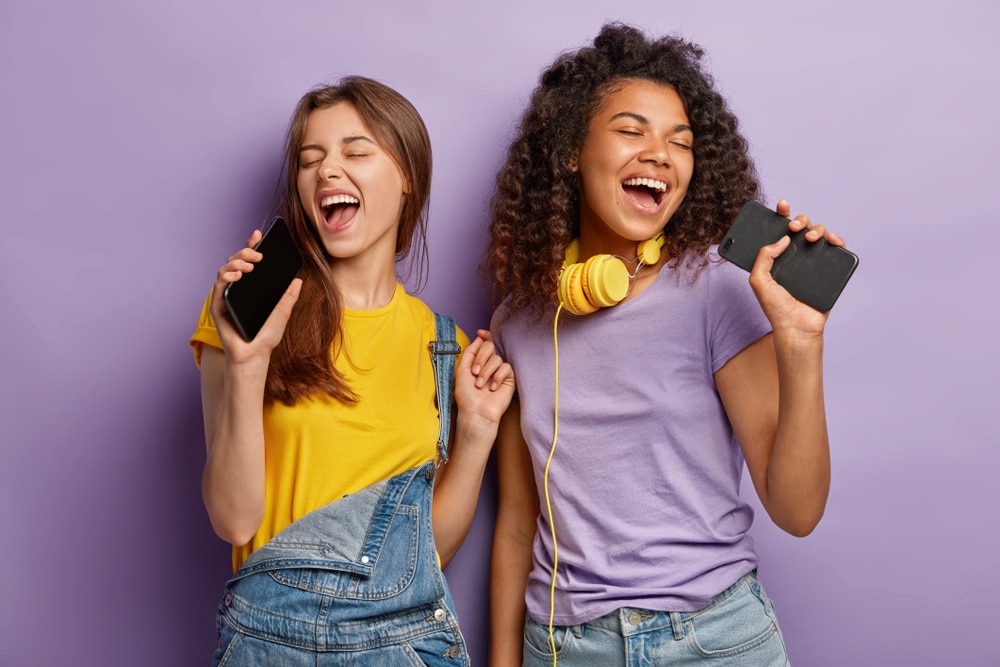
573, 163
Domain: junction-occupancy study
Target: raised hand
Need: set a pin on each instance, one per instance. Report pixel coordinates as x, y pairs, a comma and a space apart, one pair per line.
785, 312
267, 339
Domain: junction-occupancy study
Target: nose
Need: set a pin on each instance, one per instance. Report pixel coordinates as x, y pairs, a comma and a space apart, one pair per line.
657, 151
330, 168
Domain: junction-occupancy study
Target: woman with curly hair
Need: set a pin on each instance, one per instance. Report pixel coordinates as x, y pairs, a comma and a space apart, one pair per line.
621, 538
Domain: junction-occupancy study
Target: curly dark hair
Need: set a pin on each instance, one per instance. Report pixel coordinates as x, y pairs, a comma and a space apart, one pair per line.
535, 209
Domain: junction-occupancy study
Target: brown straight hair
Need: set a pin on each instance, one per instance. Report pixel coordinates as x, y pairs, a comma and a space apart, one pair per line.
302, 363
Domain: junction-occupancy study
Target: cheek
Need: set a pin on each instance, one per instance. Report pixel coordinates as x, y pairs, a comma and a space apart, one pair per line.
302, 185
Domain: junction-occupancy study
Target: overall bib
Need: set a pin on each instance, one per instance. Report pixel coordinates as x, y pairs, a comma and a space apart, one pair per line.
355, 582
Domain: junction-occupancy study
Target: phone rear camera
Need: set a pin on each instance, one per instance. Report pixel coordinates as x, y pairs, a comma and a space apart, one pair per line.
726, 245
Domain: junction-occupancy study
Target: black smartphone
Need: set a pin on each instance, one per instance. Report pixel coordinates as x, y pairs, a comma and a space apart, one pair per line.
813, 272
251, 299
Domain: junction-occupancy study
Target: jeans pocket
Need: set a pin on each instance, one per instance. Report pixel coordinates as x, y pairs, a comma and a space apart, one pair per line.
537, 641
437, 649
393, 572
229, 638
740, 622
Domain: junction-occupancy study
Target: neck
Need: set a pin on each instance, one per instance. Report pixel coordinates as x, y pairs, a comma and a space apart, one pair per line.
364, 286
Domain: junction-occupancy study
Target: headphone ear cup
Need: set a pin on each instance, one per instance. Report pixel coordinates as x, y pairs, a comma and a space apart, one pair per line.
605, 280
649, 251
571, 292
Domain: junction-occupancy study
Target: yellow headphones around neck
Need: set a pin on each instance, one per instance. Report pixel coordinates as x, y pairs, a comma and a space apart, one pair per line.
603, 280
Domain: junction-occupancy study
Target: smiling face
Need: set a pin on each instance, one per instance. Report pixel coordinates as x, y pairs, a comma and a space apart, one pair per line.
634, 167
350, 187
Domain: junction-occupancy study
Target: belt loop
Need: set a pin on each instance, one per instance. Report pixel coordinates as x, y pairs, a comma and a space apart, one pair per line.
676, 625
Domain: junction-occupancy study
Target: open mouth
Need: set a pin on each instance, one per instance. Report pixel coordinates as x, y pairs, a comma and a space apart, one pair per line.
338, 209
646, 192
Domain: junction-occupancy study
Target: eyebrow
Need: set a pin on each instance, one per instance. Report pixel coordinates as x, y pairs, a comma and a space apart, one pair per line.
344, 142
679, 127
358, 137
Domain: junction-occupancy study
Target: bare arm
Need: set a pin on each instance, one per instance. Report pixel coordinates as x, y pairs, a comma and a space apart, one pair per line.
232, 483
484, 385
232, 395
513, 537
773, 395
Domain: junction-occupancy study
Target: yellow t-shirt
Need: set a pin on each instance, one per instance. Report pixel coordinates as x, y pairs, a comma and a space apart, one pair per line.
321, 449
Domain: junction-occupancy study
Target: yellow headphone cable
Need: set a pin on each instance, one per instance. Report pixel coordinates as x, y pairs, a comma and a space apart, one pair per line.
545, 484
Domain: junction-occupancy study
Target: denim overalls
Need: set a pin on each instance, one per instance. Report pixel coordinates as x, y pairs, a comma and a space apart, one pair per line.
356, 582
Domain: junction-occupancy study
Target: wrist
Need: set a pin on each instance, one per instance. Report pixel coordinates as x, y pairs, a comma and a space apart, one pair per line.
248, 368
797, 340
475, 429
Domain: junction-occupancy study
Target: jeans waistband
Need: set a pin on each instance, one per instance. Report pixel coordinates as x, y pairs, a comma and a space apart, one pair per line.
633, 620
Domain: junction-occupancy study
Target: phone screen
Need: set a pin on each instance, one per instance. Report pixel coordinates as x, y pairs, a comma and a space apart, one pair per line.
813, 272
251, 299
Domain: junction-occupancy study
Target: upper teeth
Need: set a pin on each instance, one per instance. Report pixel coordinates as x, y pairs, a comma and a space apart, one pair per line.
647, 182
333, 200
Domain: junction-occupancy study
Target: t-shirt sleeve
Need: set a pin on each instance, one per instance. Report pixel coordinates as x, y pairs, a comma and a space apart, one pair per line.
462, 338
735, 318
205, 333
496, 329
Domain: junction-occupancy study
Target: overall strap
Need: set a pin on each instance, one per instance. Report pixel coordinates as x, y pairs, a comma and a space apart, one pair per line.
444, 351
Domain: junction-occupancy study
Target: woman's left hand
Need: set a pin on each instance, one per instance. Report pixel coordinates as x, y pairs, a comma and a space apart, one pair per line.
785, 312
484, 383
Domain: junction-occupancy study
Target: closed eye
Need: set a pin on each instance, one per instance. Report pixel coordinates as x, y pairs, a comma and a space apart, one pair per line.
310, 155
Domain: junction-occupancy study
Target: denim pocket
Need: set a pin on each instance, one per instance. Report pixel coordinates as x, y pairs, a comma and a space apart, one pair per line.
536, 638
741, 621
228, 641
393, 572
438, 649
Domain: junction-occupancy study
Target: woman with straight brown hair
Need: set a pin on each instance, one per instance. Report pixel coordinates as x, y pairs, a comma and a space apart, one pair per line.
335, 466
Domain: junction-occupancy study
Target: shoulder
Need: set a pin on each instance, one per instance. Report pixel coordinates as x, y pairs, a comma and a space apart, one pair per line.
425, 319
722, 279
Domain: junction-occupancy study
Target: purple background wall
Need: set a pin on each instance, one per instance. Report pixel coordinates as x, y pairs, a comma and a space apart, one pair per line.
139, 145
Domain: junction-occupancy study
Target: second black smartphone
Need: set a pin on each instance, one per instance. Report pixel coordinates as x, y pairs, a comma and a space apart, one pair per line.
813, 272
251, 299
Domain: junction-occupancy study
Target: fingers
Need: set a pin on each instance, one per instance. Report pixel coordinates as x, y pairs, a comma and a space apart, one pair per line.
503, 376
283, 310
236, 266
242, 262
482, 361
813, 232
784, 208
834, 239
761, 271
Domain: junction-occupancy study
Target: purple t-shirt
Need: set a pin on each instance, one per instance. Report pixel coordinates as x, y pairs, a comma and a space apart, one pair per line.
645, 480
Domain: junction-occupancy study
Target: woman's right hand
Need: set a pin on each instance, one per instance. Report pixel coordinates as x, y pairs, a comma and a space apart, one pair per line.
236, 348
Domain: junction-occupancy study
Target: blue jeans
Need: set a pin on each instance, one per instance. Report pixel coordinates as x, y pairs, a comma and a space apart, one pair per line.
738, 629
356, 582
